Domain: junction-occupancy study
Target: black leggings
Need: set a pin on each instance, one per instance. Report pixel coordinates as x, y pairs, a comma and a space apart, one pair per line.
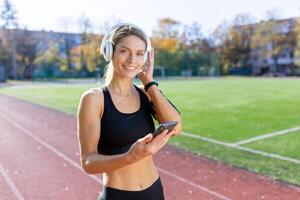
153, 192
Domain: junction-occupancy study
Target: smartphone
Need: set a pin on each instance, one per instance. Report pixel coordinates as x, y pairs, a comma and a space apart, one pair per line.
163, 126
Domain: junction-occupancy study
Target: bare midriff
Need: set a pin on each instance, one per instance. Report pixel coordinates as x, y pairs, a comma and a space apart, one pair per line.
134, 177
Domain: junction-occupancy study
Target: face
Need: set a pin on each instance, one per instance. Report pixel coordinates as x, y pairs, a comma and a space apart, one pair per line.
128, 57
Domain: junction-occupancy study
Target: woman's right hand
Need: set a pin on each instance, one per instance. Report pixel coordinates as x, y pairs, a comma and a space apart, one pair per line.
148, 145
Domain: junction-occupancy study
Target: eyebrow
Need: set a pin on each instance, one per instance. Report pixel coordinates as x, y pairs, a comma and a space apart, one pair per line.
122, 46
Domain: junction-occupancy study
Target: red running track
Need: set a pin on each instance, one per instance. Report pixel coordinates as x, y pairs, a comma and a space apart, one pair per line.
39, 159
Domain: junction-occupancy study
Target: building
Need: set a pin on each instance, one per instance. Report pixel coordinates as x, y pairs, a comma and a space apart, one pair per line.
2, 74
272, 47
35, 43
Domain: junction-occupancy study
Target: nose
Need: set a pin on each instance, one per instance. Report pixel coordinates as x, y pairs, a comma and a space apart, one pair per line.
132, 58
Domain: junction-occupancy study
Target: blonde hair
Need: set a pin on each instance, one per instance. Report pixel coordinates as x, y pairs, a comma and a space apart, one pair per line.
119, 34
108, 73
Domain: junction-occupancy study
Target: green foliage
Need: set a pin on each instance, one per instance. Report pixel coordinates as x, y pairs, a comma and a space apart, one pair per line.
175, 51
50, 60
235, 47
86, 56
186, 51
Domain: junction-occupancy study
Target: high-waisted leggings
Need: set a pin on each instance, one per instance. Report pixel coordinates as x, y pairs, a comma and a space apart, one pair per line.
153, 192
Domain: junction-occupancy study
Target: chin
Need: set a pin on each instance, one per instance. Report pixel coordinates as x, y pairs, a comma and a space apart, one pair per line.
128, 74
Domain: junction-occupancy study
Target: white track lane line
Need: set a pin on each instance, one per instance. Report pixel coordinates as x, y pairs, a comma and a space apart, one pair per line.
194, 185
95, 178
11, 184
268, 135
48, 146
262, 153
233, 145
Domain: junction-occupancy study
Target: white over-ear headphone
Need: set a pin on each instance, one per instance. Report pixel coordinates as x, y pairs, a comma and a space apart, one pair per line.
106, 48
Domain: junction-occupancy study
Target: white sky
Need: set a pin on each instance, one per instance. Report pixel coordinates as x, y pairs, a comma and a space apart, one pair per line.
49, 14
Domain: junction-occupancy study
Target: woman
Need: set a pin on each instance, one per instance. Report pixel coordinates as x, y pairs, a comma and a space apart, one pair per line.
115, 122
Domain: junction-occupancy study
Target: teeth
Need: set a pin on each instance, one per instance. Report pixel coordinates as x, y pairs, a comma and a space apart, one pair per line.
131, 68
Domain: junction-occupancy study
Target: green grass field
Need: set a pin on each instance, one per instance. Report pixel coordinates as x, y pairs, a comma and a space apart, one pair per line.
227, 110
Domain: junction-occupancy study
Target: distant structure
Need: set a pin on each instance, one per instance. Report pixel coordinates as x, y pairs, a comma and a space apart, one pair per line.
2, 74
43, 40
275, 50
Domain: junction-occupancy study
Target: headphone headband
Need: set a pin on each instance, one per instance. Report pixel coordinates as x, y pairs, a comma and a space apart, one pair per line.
106, 45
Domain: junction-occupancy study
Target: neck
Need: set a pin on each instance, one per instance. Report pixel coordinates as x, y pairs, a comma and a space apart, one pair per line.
121, 85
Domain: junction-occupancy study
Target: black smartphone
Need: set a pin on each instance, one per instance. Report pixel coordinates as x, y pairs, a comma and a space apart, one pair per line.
163, 126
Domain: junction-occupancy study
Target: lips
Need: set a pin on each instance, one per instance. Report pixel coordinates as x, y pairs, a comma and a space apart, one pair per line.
129, 67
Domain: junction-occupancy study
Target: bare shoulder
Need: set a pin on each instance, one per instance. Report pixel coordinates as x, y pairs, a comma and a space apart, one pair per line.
88, 126
92, 93
141, 86
93, 99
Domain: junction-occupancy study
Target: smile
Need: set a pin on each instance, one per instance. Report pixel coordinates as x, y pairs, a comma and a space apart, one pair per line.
129, 67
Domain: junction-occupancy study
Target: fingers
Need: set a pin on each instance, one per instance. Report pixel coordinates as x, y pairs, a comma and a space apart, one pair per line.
167, 136
171, 133
161, 135
146, 139
152, 145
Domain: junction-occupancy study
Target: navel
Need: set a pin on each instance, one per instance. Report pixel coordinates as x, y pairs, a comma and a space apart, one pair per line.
141, 186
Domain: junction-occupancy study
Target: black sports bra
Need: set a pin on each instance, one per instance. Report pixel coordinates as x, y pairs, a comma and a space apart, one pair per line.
120, 130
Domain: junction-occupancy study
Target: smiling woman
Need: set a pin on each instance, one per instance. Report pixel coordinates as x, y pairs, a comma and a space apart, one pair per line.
129, 45
115, 123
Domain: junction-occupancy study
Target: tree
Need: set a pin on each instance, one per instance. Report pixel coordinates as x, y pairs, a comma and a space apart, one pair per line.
167, 28
197, 52
8, 15
191, 34
26, 53
9, 23
166, 35
165, 41
49, 61
85, 27
234, 41
66, 43
271, 38
220, 34
273, 14
221, 39
90, 52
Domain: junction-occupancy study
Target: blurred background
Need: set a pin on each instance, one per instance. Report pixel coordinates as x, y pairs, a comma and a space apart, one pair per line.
52, 40
231, 67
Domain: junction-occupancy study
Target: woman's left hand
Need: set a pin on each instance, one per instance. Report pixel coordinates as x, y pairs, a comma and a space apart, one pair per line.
147, 75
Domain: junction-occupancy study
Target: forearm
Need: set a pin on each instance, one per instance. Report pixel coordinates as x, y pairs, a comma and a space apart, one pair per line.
164, 110
99, 163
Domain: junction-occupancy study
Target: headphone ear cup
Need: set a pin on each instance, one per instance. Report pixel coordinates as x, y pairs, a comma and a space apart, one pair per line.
108, 51
111, 50
145, 60
146, 57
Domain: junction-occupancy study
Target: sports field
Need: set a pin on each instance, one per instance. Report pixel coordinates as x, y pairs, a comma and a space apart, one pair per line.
252, 123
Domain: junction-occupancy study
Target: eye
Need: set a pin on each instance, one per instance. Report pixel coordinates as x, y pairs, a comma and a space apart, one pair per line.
140, 54
123, 51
